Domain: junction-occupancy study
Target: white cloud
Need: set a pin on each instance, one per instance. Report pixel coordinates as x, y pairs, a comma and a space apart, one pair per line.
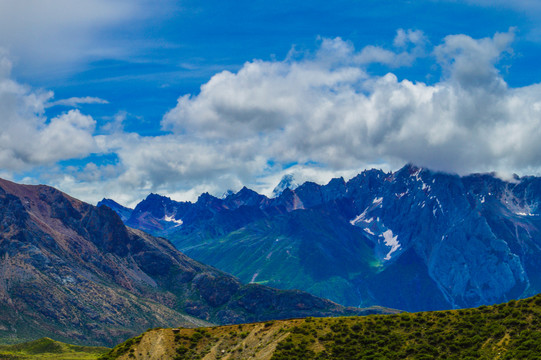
317, 115
61, 35
411, 45
27, 138
77, 101
326, 109
470, 62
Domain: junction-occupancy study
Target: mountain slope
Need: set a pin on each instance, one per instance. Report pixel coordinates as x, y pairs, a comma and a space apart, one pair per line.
506, 331
76, 273
48, 349
379, 238
122, 211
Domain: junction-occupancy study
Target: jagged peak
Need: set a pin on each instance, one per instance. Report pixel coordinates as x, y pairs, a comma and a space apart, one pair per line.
106, 201
227, 194
206, 198
339, 180
245, 190
154, 196
287, 182
409, 169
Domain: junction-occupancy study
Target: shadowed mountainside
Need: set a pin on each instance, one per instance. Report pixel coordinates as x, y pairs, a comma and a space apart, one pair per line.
74, 272
412, 239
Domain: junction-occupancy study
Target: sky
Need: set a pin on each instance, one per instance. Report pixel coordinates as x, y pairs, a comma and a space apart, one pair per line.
121, 98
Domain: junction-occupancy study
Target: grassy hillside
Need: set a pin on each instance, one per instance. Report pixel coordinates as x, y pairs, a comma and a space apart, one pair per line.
507, 331
48, 349
307, 250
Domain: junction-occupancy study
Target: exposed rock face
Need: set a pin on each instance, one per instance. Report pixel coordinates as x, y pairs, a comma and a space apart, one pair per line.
72, 271
413, 239
122, 211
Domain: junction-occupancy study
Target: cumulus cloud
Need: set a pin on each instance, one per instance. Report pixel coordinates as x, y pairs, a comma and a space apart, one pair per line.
409, 45
27, 137
325, 109
154, 162
316, 115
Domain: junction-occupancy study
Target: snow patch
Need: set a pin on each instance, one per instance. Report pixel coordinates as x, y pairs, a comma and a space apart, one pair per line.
391, 241
359, 218
369, 231
439, 204
518, 206
172, 219
526, 214
401, 195
418, 177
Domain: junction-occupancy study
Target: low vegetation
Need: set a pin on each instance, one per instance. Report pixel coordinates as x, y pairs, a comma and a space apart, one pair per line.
506, 331
48, 349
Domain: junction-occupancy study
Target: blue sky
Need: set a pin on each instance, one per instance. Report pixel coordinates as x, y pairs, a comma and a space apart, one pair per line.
121, 98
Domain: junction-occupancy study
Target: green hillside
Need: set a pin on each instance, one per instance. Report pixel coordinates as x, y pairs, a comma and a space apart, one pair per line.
306, 250
48, 349
507, 331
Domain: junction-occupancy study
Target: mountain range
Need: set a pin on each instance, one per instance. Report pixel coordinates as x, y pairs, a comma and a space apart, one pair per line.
413, 239
74, 272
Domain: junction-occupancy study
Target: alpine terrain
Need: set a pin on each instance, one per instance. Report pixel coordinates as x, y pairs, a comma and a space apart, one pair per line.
74, 272
413, 239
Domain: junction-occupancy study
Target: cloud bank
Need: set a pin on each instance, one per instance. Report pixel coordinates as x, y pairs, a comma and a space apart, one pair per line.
317, 115
327, 109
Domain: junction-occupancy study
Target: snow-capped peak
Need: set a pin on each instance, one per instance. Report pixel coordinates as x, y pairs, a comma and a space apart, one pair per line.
287, 182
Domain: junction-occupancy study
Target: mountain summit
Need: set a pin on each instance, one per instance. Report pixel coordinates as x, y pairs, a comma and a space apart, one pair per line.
287, 182
413, 239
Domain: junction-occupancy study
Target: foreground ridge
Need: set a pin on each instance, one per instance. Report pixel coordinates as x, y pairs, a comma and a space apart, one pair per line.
506, 331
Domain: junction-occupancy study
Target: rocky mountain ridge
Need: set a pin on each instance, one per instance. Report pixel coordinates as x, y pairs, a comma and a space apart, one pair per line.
413, 239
